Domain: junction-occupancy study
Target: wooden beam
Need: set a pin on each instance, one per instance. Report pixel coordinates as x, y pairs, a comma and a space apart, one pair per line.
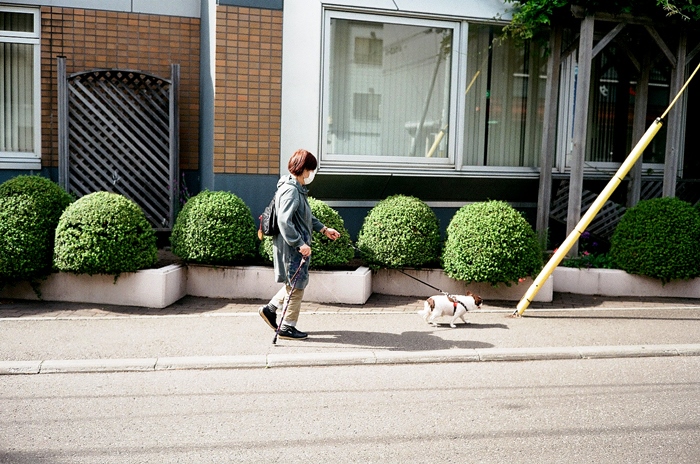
689, 57
662, 45
630, 55
583, 89
549, 133
570, 48
607, 39
674, 133
639, 127
580, 12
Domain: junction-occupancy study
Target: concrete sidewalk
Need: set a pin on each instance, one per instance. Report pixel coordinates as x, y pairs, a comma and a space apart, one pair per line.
201, 333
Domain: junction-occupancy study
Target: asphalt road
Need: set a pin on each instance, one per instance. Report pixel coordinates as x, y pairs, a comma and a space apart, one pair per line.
575, 411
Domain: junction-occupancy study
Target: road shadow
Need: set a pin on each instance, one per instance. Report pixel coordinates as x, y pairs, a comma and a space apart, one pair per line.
405, 341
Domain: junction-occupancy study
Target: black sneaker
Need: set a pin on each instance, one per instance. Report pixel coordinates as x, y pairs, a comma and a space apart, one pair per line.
291, 333
269, 316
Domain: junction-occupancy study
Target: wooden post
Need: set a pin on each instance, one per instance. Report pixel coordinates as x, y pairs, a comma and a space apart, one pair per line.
549, 132
673, 137
583, 88
62, 86
174, 142
638, 128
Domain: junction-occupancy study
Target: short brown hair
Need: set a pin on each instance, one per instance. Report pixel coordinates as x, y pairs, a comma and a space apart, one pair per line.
300, 161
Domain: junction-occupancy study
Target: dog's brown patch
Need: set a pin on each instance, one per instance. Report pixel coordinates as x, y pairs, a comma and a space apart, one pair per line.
431, 303
477, 299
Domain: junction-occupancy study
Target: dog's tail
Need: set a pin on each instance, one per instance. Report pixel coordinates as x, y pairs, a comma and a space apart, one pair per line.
428, 306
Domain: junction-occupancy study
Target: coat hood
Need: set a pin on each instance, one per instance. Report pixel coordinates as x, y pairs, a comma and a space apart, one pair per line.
291, 181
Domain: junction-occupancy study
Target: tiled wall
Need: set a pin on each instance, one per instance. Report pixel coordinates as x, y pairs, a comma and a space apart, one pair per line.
248, 90
91, 39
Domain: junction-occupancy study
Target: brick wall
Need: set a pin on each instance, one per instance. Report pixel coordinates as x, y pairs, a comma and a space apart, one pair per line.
92, 39
248, 90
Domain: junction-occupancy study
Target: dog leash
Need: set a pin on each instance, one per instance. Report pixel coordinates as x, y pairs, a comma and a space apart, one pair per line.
451, 297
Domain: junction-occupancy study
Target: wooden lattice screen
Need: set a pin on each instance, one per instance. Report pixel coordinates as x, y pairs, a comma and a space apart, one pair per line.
604, 223
118, 132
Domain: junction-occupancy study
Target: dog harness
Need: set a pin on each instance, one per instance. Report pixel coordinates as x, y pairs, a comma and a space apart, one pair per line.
455, 302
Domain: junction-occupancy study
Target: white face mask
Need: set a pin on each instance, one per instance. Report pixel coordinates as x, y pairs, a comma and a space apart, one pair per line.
308, 180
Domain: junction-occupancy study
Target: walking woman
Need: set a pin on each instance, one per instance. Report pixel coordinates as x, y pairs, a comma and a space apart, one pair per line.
296, 224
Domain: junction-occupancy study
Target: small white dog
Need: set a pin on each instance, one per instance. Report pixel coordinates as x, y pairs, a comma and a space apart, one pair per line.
449, 305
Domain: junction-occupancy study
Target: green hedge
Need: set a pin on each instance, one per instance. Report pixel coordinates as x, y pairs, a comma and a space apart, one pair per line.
658, 238
104, 233
400, 231
30, 207
214, 228
490, 242
23, 239
325, 253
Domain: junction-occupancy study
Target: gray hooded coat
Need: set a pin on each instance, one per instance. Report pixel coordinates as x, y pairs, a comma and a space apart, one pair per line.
296, 224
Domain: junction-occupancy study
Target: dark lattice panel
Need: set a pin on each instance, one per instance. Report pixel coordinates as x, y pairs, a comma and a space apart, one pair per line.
119, 139
604, 223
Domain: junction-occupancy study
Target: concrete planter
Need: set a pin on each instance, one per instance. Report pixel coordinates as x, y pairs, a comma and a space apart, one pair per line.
159, 288
349, 287
153, 288
393, 282
614, 282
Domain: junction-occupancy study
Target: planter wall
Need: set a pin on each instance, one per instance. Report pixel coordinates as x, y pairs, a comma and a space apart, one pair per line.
258, 282
153, 288
393, 282
159, 288
614, 282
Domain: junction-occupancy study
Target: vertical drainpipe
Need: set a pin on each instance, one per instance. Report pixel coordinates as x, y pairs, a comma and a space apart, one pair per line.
207, 73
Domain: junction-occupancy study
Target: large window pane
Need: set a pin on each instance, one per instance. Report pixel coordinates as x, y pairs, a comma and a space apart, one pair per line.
504, 100
389, 89
16, 97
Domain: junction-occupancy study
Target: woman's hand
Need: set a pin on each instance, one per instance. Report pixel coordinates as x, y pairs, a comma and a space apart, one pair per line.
330, 233
305, 250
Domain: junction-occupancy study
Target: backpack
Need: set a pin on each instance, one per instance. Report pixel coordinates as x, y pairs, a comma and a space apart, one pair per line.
268, 221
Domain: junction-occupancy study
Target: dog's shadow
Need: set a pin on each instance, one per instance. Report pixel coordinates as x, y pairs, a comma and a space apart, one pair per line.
405, 341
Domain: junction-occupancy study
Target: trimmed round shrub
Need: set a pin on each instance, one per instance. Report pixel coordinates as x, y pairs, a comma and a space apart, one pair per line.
24, 239
214, 228
490, 242
104, 233
658, 238
325, 253
46, 193
400, 231
30, 208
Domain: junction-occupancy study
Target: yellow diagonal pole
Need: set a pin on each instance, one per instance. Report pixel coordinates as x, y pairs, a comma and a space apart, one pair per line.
597, 205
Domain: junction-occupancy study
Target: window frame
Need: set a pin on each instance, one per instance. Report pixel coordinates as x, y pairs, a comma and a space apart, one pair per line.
15, 159
358, 163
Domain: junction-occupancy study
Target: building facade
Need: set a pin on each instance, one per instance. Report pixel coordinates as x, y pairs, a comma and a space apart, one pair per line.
413, 97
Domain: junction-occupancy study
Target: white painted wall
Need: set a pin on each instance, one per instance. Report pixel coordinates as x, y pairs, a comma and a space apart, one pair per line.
302, 56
